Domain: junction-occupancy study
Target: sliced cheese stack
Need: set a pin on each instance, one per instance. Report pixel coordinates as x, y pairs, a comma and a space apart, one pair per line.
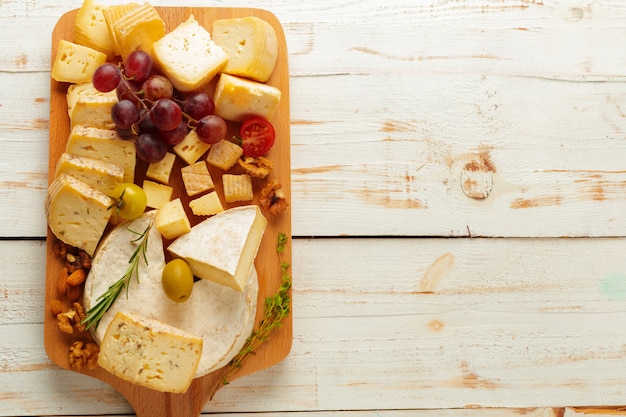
150, 353
103, 145
91, 28
77, 213
188, 56
101, 175
111, 15
251, 45
237, 98
75, 63
222, 248
137, 29
88, 106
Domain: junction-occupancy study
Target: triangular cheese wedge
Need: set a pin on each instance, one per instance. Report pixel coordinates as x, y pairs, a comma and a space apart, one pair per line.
222, 248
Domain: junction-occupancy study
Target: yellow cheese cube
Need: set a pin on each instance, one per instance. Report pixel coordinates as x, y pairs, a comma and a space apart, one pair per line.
160, 171
91, 28
150, 353
191, 148
111, 15
157, 194
237, 187
224, 154
139, 28
207, 205
103, 145
237, 99
76, 63
251, 45
197, 178
171, 220
101, 175
173, 53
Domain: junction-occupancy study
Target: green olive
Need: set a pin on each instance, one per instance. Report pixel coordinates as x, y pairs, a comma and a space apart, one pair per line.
177, 280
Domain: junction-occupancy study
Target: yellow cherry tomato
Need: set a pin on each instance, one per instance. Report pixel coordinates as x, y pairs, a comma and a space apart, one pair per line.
129, 201
177, 280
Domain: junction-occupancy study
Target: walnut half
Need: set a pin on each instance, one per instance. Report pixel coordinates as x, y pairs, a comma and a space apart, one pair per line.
272, 198
81, 355
258, 166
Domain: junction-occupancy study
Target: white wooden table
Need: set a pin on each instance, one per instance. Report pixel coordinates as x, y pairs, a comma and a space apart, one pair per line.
501, 123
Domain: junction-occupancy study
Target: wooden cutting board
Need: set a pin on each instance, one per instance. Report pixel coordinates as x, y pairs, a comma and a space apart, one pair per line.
148, 402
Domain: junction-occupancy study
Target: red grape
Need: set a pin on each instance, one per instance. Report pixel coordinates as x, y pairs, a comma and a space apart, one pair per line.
198, 105
106, 77
156, 87
145, 124
124, 114
165, 114
211, 129
150, 148
127, 90
138, 66
176, 135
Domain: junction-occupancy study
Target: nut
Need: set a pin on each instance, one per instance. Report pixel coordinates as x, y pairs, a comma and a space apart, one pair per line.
74, 293
56, 306
272, 198
62, 282
79, 357
80, 316
258, 167
65, 321
76, 278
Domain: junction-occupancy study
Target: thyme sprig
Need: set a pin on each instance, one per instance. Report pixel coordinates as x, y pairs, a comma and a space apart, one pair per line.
104, 301
276, 309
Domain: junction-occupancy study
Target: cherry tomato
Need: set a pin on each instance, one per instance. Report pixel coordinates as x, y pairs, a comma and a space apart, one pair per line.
257, 136
129, 200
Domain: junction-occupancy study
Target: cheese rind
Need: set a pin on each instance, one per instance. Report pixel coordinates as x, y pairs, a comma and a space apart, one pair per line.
224, 154
150, 353
196, 178
138, 29
222, 248
237, 98
77, 213
111, 15
104, 145
75, 63
251, 45
188, 56
101, 175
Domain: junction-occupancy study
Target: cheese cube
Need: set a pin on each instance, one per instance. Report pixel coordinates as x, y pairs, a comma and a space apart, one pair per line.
237, 188
224, 154
157, 194
237, 99
103, 145
150, 353
171, 220
160, 171
75, 63
173, 53
111, 15
77, 213
90, 28
101, 175
197, 178
191, 148
222, 248
251, 45
207, 205
137, 29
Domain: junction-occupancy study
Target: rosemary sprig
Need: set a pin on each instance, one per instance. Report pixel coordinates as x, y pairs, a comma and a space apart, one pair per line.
276, 308
104, 301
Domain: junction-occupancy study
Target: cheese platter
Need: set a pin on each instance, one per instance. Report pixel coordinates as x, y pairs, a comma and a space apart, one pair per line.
270, 265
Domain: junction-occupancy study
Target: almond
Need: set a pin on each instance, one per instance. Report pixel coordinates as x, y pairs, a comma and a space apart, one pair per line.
76, 278
62, 282
74, 293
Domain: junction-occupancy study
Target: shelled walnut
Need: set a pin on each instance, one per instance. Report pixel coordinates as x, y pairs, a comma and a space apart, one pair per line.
272, 198
81, 355
258, 167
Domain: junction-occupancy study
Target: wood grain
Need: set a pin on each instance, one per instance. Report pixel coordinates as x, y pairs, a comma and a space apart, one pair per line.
144, 401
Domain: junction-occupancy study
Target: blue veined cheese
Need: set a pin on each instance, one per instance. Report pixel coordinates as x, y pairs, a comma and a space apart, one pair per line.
237, 98
101, 175
75, 63
103, 145
150, 353
222, 248
77, 213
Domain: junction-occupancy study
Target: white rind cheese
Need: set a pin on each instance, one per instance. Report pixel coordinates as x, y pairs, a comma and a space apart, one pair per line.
150, 353
237, 98
222, 248
77, 213
221, 316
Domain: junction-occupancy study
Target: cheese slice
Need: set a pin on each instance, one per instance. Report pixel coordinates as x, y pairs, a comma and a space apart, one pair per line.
237, 98
138, 29
251, 45
222, 317
207, 205
150, 353
196, 178
222, 248
77, 213
101, 175
75, 63
90, 107
111, 15
91, 28
103, 145
173, 55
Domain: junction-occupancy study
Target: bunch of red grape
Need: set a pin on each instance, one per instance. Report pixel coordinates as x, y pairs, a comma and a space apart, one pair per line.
151, 112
